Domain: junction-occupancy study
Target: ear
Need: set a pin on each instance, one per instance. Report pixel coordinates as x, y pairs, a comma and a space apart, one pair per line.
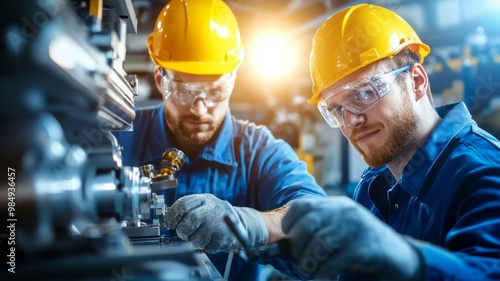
157, 75
420, 80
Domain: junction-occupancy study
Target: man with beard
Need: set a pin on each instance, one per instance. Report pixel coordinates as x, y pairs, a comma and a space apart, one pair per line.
232, 166
428, 207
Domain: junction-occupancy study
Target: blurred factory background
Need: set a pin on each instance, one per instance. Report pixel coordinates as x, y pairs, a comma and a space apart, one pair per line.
273, 82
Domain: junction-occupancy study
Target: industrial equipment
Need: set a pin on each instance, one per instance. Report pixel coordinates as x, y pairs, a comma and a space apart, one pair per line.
73, 211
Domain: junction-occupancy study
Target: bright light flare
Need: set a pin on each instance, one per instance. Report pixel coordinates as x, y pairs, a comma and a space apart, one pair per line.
494, 4
273, 56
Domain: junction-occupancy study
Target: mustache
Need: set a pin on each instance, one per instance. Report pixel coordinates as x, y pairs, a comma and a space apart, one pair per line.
358, 131
194, 119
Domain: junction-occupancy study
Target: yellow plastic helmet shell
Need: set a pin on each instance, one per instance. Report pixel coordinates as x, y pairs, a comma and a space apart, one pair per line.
196, 37
356, 37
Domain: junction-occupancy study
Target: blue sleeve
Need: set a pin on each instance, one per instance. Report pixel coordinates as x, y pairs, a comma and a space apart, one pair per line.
276, 172
441, 264
471, 250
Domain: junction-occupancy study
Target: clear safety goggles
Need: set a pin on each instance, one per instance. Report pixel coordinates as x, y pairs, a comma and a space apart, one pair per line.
186, 93
357, 97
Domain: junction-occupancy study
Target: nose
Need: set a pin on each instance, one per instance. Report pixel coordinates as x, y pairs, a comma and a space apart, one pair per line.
353, 120
199, 107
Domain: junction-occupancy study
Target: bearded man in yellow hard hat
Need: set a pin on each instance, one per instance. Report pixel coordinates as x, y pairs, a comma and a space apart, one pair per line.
232, 166
428, 206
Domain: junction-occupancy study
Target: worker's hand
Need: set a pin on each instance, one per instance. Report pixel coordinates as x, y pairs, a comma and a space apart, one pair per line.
336, 235
199, 218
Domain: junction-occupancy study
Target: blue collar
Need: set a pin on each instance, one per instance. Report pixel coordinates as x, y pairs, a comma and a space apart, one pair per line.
455, 118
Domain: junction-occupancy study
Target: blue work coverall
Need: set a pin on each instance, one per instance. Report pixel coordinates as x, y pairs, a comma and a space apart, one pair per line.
448, 197
244, 165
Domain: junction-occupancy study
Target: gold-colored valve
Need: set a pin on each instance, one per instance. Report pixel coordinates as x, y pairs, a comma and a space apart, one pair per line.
173, 160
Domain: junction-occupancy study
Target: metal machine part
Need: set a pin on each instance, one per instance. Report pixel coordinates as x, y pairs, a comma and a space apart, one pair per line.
145, 234
65, 90
65, 95
173, 160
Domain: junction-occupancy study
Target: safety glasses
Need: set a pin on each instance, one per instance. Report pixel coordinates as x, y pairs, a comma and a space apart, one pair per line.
357, 97
186, 93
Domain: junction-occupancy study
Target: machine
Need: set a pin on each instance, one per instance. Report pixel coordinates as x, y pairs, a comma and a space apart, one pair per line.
72, 210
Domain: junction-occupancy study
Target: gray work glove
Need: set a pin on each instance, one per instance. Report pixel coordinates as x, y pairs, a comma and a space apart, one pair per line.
336, 235
199, 218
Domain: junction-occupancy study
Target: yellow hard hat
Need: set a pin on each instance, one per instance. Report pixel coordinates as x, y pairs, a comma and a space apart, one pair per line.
356, 37
196, 37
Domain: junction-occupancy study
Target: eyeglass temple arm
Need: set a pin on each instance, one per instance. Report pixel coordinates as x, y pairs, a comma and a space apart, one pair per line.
395, 73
